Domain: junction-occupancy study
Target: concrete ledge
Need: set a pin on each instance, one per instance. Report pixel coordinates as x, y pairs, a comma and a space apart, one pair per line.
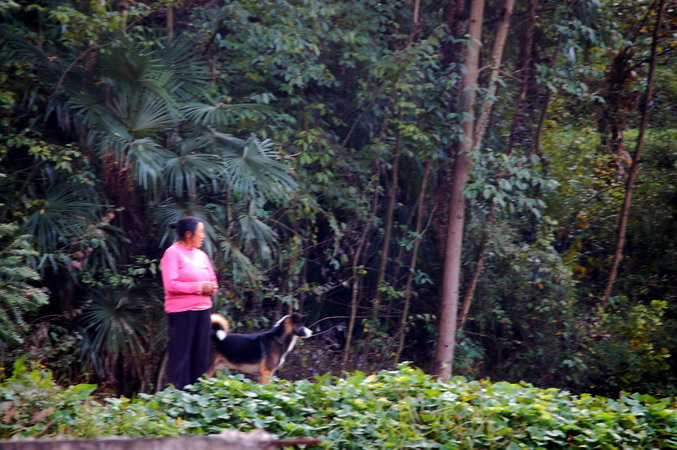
226, 440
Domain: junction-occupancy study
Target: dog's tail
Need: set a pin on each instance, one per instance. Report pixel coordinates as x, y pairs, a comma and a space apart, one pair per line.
220, 323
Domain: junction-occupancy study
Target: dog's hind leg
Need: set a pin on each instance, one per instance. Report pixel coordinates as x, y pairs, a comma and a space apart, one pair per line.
217, 363
211, 371
264, 376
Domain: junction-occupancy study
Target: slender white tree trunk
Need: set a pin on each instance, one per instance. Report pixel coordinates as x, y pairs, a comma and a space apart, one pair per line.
496, 59
446, 340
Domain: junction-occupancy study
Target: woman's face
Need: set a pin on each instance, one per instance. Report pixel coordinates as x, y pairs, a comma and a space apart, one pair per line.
195, 240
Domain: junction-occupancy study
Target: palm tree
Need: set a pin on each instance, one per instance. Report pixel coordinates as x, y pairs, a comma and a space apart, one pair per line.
123, 329
153, 131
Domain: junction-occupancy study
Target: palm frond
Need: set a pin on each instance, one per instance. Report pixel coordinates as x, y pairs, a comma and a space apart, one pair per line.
141, 113
189, 71
259, 235
216, 113
112, 242
254, 170
227, 143
63, 215
91, 107
149, 159
114, 142
183, 171
135, 68
115, 324
243, 270
144, 154
130, 63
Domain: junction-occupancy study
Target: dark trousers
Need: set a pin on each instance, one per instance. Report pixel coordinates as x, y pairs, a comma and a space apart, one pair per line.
189, 346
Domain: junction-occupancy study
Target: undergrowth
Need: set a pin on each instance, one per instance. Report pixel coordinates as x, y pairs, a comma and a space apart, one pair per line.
404, 408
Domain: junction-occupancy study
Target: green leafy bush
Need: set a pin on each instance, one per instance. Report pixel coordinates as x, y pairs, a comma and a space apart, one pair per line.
629, 348
17, 293
404, 408
32, 404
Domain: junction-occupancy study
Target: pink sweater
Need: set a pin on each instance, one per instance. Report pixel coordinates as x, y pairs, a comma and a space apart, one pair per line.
182, 270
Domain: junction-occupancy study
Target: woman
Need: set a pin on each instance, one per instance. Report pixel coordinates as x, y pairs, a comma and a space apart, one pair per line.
189, 282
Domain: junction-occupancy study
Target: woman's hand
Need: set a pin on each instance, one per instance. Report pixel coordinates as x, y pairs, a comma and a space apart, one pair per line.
208, 288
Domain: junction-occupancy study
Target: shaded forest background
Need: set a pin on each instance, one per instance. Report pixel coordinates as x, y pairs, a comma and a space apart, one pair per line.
318, 140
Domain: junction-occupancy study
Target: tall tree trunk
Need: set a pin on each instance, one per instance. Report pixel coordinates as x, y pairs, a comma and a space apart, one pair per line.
414, 256
446, 341
517, 131
415, 21
487, 105
634, 168
456, 19
538, 133
479, 262
454, 16
496, 58
170, 22
618, 98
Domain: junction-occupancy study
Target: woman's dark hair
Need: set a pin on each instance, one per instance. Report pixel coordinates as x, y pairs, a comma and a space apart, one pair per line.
187, 223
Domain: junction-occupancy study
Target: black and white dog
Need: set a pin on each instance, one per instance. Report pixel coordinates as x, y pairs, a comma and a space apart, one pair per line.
256, 353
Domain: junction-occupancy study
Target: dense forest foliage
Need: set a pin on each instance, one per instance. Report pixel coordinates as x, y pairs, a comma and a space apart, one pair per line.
494, 178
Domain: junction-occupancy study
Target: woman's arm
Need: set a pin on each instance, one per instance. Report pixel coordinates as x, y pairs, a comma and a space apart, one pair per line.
171, 275
214, 282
